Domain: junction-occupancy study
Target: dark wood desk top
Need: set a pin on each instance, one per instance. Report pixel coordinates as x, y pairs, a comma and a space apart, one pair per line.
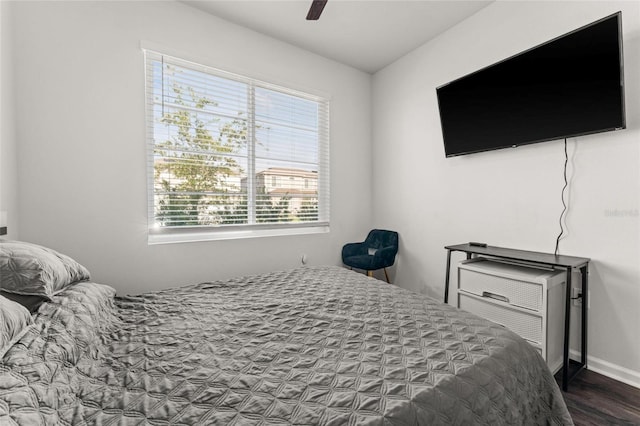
523, 255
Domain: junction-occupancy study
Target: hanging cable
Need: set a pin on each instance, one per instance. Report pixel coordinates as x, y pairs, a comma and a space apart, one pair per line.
564, 204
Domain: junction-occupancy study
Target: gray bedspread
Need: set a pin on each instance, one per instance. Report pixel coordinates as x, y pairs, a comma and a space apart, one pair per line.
310, 346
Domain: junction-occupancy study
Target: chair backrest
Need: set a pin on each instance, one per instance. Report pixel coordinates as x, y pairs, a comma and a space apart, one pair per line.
380, 238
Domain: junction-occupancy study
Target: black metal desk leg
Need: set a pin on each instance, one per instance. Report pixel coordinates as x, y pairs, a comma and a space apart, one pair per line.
446, 278
585, 304
567, 325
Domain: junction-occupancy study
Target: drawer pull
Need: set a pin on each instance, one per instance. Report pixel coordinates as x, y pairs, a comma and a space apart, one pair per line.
495, 296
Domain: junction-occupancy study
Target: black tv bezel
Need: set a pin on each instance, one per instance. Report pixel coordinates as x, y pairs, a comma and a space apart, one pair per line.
618, 16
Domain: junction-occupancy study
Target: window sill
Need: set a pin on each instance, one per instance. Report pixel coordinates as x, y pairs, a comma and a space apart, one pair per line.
192, 237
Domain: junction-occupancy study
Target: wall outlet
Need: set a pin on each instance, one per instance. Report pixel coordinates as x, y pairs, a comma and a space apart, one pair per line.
576, 296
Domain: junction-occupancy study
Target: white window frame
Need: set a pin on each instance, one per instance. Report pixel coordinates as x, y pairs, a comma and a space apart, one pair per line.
180, 234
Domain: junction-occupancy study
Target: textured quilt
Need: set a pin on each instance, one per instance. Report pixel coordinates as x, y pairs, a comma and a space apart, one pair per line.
311, 346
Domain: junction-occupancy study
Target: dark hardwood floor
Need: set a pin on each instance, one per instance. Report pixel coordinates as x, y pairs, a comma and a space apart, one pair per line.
594, 399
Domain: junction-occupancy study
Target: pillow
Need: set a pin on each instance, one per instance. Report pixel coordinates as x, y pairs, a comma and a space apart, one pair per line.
30, 269
32, 303
14, 323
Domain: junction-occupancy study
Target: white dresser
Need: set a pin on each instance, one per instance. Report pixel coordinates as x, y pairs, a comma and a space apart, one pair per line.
525, 299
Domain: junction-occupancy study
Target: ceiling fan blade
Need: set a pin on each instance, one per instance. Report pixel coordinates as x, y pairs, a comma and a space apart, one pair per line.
316, 10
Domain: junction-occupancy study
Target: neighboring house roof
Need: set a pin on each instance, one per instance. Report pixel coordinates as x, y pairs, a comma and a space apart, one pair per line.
282, 171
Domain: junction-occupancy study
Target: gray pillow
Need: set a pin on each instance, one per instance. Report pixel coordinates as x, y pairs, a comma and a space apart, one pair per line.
15, 320
30, 269
32, 303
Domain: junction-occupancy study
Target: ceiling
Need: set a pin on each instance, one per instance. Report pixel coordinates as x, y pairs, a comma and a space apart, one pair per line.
367, 35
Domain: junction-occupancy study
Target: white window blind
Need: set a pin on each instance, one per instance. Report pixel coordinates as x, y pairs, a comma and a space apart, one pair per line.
229, 153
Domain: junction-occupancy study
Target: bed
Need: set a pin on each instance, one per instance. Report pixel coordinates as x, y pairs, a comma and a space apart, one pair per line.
308, 346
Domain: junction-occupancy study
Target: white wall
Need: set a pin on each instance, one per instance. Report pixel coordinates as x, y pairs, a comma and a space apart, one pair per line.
8, 154
511, 198
80, 121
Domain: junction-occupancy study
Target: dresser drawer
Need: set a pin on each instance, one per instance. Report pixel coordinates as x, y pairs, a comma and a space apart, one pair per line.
528, 326
489, 278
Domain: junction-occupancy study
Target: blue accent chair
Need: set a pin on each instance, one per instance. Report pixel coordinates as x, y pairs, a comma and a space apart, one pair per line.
378, 251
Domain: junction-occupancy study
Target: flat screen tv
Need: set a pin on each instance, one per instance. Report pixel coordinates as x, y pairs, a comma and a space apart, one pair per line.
566, 87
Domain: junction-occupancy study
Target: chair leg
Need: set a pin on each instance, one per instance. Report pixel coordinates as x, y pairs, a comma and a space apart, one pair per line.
370, 273
386, 275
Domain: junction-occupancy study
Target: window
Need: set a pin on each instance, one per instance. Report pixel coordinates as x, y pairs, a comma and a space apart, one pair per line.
216, 141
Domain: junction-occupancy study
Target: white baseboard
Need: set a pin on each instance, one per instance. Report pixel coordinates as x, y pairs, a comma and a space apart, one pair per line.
609, 369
